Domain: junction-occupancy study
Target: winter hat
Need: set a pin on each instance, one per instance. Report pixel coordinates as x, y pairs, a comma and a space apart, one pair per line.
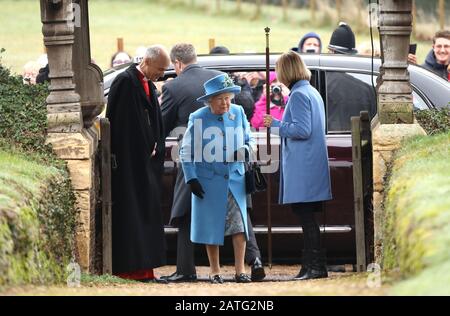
305, 37
219, 50
343, 40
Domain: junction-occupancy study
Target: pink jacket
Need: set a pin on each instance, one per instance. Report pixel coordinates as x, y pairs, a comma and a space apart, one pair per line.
257, 120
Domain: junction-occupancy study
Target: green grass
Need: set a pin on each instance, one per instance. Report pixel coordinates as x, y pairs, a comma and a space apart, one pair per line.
20, 179
418, 216
146, 22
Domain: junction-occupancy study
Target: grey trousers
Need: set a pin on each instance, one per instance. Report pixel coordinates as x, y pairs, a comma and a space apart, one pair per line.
185, 248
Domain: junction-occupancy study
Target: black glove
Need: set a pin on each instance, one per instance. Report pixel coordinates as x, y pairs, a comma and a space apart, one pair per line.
196, 188
241, 154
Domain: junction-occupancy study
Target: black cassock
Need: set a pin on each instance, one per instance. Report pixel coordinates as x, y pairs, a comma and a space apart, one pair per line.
136, 126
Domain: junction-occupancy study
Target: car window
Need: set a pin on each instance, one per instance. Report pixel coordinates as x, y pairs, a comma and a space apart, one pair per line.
346, 96
418, 102
348, 93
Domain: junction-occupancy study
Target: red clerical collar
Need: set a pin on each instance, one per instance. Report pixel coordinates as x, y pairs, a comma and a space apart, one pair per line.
141, 74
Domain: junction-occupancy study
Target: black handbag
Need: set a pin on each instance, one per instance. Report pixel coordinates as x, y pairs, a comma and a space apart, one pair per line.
254, 179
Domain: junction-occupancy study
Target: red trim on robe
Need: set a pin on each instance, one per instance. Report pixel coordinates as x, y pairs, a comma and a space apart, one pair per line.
144, 84
137, 275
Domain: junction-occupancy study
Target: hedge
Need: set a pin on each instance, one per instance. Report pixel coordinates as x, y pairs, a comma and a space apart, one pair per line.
417, 216
37, 204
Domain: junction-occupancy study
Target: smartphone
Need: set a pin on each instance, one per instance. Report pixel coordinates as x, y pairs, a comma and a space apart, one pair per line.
412, 48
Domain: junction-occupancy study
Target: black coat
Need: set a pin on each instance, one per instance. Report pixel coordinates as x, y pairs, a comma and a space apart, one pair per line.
136, 126
179, 100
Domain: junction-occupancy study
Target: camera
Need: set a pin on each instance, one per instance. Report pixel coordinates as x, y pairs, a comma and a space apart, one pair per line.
276, 96
276, 89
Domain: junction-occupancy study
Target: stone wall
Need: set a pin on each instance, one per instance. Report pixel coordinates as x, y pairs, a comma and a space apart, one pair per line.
79, 149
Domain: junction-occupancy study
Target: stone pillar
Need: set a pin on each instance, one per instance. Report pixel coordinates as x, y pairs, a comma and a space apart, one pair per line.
88, 76
395, 119
66, 132
394, 90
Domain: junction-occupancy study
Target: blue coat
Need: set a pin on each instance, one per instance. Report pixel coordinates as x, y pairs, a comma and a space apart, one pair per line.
304, 174
211, 133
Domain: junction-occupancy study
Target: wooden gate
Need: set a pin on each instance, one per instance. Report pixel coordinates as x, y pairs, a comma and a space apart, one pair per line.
105, 152
363, 188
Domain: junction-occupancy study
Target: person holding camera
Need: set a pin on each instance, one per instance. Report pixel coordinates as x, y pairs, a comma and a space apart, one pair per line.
278, 100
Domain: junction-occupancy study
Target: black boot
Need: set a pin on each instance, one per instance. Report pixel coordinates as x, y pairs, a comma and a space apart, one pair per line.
318, 267
306, 263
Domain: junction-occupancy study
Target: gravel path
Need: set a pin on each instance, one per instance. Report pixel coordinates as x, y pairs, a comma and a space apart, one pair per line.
277, 282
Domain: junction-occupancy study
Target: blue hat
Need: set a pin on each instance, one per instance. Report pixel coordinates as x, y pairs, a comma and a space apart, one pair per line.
218, 85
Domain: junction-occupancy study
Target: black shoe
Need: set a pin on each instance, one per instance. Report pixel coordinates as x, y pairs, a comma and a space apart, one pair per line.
258, 272
154, 280
216, 279
178, 278
242, 278
317, 269
165, 277
306, 264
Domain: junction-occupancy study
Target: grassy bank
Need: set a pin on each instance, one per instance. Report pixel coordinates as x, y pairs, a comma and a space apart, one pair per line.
36, 222
145, 22
418, 217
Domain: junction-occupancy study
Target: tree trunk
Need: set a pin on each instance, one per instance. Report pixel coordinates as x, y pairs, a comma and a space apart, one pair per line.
238, 6
258, 9
441, 12
414, 17
285, 8
339, 10
218, 6
313, 8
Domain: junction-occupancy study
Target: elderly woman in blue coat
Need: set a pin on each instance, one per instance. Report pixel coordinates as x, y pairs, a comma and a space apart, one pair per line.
304, 175
216, 134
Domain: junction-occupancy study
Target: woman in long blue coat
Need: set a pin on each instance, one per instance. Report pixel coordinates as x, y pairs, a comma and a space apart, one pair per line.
216, 134
304, 174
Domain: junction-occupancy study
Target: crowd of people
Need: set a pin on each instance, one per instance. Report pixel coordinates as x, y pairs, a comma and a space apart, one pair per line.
437, 61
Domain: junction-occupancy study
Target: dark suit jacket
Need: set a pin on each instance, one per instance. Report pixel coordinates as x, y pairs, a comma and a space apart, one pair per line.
179, 100
179, 96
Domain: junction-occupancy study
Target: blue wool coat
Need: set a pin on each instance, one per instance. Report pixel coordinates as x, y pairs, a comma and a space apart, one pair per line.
207, 154
304, 174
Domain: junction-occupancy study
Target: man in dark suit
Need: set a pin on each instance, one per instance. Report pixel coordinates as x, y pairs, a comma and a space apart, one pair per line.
137, 154
179, 100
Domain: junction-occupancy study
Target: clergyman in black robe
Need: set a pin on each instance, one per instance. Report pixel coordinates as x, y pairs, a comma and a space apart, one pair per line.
137, 159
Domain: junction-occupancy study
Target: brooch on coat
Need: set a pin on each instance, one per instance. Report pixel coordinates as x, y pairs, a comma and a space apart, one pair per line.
231, 116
